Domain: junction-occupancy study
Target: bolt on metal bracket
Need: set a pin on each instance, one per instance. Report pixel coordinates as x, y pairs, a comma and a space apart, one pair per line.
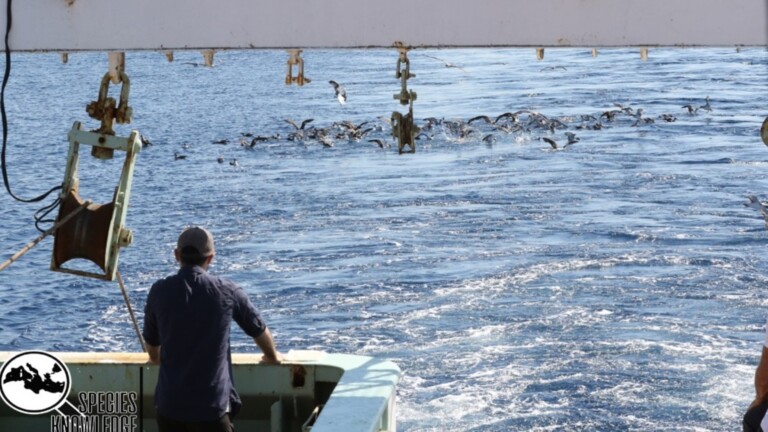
108, 111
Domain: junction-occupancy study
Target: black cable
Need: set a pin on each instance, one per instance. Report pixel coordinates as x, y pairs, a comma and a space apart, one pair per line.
6, 75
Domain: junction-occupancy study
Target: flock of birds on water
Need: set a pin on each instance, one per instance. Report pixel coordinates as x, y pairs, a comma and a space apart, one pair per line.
482, 128
529, 125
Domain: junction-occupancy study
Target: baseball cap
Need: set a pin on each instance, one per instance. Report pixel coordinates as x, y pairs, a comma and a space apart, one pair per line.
198, 238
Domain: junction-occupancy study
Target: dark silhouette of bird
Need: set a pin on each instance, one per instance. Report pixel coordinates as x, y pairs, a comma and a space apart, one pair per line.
669, 118
177, 156
303, 123
691, 109
145, 142
489, 139
550, 141
379, 142
707, 106
484, 118
572, 138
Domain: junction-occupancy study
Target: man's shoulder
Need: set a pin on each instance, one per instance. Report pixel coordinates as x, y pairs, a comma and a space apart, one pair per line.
221, 281
170, 279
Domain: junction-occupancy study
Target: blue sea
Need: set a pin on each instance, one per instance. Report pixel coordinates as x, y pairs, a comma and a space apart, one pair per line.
615, 284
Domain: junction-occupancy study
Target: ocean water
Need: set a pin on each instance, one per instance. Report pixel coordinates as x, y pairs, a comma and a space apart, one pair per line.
618, 283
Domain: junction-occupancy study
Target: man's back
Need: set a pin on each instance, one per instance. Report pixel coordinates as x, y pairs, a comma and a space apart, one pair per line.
189, 316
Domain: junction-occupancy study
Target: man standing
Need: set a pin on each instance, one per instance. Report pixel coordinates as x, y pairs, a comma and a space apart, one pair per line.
186, 329
755, 419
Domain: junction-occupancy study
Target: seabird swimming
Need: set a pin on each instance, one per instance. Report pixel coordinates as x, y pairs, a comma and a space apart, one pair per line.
327, 142
145, 142
221, 141
669, 118
233, 162
691, 109
627, 109
257, 139
610, 114
341, 92
177, 156
706, 107
220, 159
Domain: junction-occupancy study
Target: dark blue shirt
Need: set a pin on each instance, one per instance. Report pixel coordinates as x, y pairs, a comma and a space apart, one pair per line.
189, 316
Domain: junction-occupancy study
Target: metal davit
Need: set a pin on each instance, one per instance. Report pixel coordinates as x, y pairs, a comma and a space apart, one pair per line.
97, 233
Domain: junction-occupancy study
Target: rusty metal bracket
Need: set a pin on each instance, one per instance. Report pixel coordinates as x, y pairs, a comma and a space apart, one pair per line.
403, 129
108, 111
97, 233
296, 60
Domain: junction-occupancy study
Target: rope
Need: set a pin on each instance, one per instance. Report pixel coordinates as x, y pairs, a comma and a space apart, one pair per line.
40, 238
3, 165
130, 311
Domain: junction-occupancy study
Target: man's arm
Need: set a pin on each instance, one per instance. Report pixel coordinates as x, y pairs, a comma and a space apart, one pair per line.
154, 353
761, 379
267, 346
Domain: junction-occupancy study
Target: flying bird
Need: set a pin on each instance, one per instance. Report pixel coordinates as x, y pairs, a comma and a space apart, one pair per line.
303, 123
755, 203
379, 142
572, 138
550, 141
341, 92
446, 64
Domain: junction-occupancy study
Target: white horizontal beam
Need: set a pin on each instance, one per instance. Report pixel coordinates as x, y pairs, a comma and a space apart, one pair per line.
121, 25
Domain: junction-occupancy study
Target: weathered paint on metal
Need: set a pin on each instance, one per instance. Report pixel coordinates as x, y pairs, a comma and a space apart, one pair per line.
118, 25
